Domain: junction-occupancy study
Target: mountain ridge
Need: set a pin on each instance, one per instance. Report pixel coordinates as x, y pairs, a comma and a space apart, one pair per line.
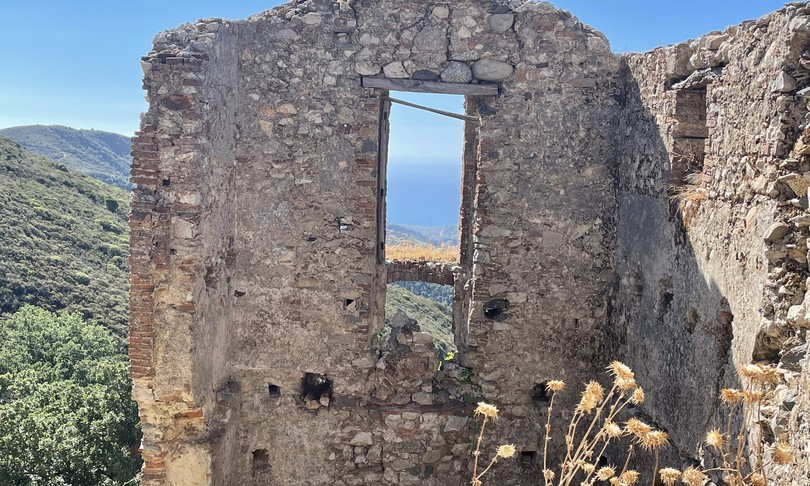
100, 154
421, 235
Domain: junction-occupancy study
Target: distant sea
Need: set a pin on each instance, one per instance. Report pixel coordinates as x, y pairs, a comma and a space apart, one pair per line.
424, 193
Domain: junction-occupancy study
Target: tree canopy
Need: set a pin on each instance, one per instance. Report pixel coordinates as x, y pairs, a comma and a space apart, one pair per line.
66, 415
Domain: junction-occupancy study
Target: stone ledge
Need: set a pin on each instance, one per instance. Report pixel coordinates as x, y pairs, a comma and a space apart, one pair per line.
413, 271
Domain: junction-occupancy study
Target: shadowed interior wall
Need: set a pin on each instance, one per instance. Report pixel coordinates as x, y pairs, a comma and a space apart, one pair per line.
708, 261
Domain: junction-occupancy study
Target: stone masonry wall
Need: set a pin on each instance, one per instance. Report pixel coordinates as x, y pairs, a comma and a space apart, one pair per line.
282, 287
182, 231
711, 258
651, 207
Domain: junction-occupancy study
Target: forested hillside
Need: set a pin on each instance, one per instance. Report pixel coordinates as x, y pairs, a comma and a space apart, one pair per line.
103, 155
442, 294
431, 316
63, 239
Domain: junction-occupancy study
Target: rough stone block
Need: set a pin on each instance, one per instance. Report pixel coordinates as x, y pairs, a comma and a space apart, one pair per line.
501, 22
457, 72
776, 232
492, 70
362, 439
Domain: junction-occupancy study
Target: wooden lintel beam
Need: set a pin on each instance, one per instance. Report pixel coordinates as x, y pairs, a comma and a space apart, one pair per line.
417, 86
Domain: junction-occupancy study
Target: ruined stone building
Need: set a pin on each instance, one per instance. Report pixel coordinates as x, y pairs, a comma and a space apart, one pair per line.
644, 207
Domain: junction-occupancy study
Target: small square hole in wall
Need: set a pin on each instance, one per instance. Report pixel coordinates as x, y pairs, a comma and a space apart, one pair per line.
527, 457
540, 395
316, 390
350, 305
260, 459
274, 391
496, 309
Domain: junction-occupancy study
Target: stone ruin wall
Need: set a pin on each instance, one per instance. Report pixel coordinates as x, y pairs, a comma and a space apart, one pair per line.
180, 283
255, 234
713, 255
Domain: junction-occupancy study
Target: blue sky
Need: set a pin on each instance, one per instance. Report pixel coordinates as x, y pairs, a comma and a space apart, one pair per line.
76, 62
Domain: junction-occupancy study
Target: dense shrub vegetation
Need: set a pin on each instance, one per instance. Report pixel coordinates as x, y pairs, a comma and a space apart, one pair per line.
66, 416
63, 239
441, 294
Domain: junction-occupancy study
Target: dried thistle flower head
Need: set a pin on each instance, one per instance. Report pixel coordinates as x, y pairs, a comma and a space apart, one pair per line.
733, 480
591, 397
752, 397
759, 374
554, 386
715, 439
731, 396
757, 479
783, 453
628, 478
487, 410
506, 451
548, 474
588, 467
595, 389
669, 476
613, 430
637, 428
625, 384
605, 473
638, 396
751, 373
772, 375
620, 370
692, 476
587, 404
654, 440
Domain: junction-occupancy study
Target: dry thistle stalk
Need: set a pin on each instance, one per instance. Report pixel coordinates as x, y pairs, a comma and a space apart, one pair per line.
757, 379
489, 413
595, 417
601, 408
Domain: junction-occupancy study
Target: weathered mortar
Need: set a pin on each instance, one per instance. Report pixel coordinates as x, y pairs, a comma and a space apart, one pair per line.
255, 235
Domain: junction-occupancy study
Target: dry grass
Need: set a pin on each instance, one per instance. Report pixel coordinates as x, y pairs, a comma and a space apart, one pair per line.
413, 252
689, 196
595, 425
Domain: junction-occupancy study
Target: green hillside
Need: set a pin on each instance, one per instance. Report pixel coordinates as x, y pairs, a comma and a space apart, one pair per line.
443, 294
63, 239
103, 155
431, 316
